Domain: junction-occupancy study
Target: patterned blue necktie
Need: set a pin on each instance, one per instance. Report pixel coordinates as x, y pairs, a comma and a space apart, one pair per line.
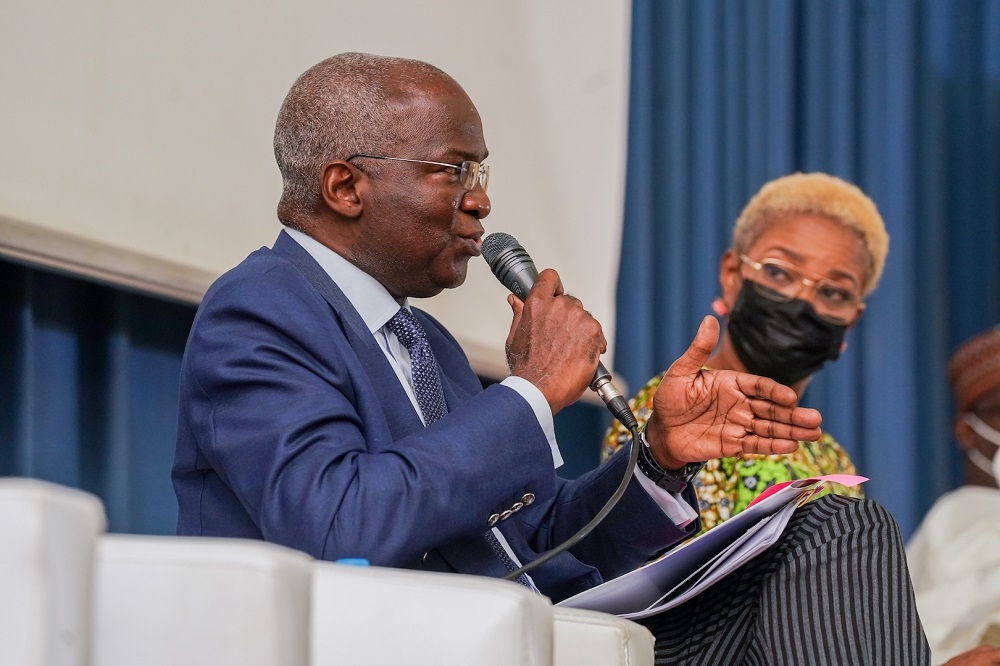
423, 365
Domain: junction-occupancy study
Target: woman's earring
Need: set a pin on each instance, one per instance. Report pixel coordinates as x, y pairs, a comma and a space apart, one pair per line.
719, 307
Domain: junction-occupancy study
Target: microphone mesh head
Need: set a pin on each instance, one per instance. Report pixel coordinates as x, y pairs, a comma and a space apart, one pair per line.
495, 244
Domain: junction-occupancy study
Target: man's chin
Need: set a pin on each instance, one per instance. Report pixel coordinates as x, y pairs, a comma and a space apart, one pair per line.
460, 271
434, 289
439, 282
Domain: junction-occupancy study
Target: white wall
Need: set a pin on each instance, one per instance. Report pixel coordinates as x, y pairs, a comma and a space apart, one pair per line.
143, 131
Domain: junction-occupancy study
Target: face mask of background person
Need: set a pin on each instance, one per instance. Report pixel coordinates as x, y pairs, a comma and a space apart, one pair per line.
784, 341
991, 467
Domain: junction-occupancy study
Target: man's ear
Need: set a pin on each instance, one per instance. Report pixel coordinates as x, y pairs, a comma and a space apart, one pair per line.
341, 184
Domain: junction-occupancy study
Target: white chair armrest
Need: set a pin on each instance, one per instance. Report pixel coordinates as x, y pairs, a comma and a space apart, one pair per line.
585, 637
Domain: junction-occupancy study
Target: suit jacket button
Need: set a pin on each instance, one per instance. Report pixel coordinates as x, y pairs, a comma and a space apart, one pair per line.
504, 515
492, 520
528, 498
517, 506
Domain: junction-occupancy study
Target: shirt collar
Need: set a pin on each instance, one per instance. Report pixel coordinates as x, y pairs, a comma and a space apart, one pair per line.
372, 301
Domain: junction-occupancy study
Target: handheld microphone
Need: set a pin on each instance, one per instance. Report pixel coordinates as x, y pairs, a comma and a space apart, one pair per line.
515, 270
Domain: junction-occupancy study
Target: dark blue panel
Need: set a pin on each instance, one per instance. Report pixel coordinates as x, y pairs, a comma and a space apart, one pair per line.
89, 392
12, 299
579, 430
52, 381
158, 333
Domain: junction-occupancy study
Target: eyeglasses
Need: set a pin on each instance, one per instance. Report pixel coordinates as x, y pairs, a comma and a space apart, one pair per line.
469, 172
782, 282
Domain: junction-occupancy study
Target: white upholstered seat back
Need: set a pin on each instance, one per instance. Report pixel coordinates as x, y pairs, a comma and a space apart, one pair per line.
162, 601
47, 535
374, 615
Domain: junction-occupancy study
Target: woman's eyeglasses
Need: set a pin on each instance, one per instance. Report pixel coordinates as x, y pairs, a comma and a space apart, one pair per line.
835, 302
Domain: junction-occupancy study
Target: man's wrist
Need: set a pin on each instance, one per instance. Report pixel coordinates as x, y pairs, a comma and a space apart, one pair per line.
671, 480
651, 436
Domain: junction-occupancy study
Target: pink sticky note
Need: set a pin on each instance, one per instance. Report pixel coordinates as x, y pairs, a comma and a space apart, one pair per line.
849, 480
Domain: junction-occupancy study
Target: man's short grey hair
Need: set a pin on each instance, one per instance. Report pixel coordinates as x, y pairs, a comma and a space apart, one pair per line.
337, 108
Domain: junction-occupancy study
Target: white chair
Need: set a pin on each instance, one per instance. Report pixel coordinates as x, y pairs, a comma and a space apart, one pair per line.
585, 637
47, 535
375, 615
72, 596
162, 601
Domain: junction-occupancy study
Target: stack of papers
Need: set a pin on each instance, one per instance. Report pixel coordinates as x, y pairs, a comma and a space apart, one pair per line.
699, 563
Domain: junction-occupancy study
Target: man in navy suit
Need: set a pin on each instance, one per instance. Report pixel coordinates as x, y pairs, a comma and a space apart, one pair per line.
311, 416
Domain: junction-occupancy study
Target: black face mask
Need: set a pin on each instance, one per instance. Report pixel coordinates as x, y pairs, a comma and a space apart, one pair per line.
784, 341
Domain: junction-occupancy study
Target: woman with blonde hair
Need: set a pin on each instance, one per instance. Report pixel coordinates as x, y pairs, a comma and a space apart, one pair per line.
806, 252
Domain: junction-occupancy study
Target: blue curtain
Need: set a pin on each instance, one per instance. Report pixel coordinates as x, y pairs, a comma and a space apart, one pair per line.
901, 97
88, 392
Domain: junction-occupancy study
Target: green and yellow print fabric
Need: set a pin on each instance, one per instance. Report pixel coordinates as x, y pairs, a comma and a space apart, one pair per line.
726, 486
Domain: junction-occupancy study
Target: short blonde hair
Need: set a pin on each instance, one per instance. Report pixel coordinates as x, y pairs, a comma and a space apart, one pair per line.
817, 194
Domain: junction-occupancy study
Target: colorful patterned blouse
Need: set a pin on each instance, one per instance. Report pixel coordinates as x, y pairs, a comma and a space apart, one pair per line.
725, 486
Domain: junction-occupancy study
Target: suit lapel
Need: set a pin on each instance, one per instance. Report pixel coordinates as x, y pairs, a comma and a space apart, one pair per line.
401, 418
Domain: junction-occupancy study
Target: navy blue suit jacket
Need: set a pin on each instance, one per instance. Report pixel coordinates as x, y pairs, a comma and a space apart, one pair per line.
294, 429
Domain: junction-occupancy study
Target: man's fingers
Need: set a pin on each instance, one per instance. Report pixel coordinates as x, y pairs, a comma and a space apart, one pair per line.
770, 428
805, 417
755, 386
765, 446
738, 440
517, 306
549, 283
765, 429
692, 360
